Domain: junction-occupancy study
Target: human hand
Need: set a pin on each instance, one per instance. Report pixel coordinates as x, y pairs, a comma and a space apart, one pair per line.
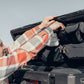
47, 22
57, 25
2, 49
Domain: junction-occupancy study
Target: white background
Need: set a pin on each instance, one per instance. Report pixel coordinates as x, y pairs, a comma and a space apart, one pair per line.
17, 13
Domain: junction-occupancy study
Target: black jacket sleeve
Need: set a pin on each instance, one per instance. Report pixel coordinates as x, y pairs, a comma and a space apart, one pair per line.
73, 33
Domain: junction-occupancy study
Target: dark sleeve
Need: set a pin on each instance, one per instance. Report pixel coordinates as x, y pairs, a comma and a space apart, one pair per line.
75, 32
74, 27
81, 29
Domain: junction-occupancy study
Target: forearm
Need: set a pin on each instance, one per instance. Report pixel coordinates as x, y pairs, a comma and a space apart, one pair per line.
38, 42
23, 38
10, 63
32, 32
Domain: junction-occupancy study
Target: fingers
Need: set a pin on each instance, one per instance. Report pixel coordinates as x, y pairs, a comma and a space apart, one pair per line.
55, 16
52, 17
49, 17
62, 26
51, 22
56, 25
59, 24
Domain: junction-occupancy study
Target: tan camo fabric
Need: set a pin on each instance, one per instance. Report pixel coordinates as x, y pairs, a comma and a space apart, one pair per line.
23, 50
